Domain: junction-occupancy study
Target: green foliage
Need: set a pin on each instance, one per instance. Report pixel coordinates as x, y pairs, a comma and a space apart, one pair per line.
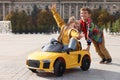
106, 20
13, 18
115, 26
35, 11
46, 21
41, 21
114, 23
101, 17
95, 15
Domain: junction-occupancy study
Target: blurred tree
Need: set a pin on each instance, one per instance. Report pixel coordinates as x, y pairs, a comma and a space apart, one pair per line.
38, 21
115, 22
101, 17
46, 21
34, 18
22, 22
29, 25
95, 15
13, 18
18, 20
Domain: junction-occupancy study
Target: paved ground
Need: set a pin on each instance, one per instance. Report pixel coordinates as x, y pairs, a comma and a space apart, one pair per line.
15, 48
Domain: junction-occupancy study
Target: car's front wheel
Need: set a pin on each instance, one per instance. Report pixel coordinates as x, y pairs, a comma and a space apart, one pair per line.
85, 63
59, 68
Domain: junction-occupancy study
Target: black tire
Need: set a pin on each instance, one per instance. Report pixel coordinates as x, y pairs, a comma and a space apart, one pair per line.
33, 70
85, 63
59, 68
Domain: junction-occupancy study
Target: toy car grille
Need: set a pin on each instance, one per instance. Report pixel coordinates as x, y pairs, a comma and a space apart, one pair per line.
34, 63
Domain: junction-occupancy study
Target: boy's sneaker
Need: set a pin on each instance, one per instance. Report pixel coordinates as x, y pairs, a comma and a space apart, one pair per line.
108, 61
102, 61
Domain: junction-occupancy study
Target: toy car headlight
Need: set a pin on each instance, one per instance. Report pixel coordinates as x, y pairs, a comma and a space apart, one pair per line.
46, 63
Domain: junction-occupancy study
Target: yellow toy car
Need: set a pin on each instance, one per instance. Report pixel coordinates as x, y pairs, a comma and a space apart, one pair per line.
57, 62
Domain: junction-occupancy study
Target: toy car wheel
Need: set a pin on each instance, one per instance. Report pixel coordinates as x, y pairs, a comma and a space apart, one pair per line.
85, 63
33, 70
59, 68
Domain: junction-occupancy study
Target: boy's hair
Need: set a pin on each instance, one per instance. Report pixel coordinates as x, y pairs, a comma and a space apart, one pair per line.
86, 9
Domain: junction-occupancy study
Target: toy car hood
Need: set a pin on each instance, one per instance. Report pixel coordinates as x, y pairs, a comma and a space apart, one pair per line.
39, 55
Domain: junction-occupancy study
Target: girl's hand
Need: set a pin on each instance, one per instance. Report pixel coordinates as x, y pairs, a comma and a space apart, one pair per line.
53, 6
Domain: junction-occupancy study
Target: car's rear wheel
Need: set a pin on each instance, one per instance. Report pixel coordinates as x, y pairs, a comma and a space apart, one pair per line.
33, 70
59, 68
85, 63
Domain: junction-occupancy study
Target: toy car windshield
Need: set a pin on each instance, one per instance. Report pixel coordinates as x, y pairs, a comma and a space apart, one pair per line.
54, 46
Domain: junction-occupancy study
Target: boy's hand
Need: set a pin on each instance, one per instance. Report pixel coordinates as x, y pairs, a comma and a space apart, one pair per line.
81, 36
87, 49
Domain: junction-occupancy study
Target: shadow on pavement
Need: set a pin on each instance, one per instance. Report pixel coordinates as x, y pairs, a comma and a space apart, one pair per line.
49, 74
78, 74
116, 64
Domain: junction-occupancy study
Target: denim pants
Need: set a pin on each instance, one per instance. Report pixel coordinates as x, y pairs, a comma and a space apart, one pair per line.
72, 44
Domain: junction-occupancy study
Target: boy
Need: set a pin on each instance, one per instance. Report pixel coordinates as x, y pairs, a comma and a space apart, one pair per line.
94, 34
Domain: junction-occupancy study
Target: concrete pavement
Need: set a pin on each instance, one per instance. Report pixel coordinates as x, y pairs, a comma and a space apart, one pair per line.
15, 48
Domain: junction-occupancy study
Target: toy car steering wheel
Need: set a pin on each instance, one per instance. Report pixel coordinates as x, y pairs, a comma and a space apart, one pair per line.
56, 42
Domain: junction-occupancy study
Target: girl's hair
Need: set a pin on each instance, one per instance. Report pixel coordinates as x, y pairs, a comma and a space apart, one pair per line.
86, 9
71, 19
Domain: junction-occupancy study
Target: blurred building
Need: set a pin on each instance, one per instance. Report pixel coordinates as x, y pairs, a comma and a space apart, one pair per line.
66, 8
